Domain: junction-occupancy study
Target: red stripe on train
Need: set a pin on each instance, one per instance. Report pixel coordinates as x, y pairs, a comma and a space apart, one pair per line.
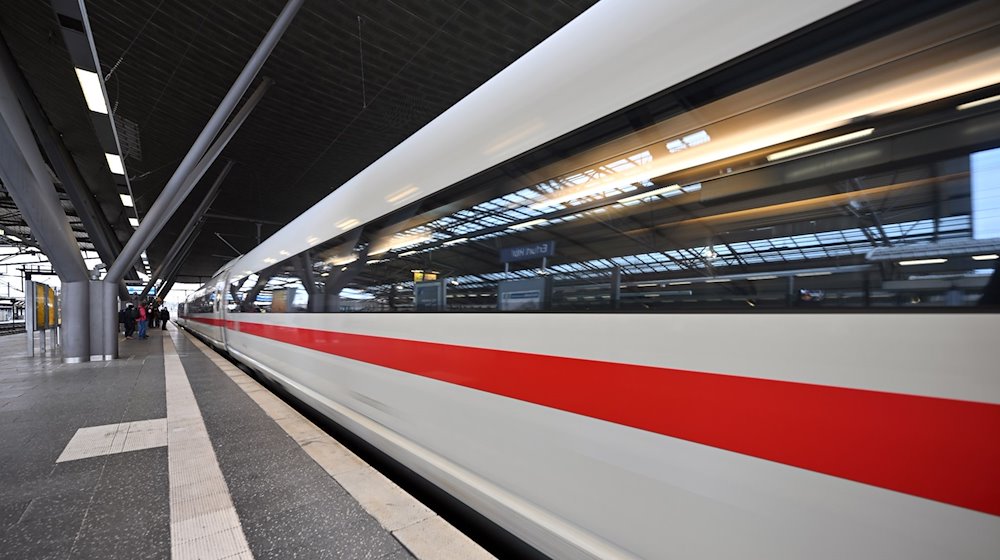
941, 449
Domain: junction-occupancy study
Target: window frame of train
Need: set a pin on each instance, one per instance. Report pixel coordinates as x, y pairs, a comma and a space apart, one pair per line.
874, 214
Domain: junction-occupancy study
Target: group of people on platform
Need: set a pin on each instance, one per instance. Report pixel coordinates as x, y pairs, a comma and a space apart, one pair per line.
142, 316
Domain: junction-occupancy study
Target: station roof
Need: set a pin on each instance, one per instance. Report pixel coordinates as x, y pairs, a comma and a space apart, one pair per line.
352, 80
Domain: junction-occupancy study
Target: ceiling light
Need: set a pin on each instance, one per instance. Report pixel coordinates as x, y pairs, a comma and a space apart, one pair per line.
653, 285
648, 194
762, 277
689, 141
717, 280
455, 241
134, 222
90, 83
985, 257
978, 102
922, 261
821, 273
115, 164
524, 225
683, 283
408, 253
126, 200
400, 195
821, 144
342, 260
14, 238
400, 242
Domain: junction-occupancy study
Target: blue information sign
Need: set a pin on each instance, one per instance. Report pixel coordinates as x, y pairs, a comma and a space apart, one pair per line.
528, 252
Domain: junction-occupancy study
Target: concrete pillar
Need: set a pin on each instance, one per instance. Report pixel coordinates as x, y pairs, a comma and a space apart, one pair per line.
76, 322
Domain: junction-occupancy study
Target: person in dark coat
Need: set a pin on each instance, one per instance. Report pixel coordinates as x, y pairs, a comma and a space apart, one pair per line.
130, 317
164, 316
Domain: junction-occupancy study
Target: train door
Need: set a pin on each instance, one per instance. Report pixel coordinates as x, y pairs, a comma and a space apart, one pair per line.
220, 308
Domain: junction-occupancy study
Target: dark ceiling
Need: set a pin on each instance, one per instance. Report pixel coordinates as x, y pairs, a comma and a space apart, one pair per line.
322, 122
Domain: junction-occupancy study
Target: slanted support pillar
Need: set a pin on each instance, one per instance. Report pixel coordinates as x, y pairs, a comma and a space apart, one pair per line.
23, 173
173, 193
206, 202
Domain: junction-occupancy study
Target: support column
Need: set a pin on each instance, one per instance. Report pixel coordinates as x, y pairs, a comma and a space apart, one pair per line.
23, 173
206, 203
169, 199
76, 321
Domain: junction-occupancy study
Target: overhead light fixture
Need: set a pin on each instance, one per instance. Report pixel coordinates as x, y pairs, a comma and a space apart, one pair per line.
648, 194
400, 242
134, 222
400, 195
115, 164
408, 253
820, 273
689, 141
985, 257
717, 280
652, 285
821, 144
682, 283
127, 200
769, 277
342, 260
14, 238
524, 225
455, 241
978, 102
90, 83
922, 261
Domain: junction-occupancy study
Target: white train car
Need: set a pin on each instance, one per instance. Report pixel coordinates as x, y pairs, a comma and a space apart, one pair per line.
688, 280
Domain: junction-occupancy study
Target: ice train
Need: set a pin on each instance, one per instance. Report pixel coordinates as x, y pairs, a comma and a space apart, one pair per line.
688, 280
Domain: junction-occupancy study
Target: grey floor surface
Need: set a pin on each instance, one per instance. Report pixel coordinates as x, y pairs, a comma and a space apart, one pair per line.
117, 506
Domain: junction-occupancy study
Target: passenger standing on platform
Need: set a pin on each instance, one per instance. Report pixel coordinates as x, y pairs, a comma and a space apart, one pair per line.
154, 316
142, 321
164, 316
130, 317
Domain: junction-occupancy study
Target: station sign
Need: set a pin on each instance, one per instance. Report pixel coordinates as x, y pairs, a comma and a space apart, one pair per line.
528, 252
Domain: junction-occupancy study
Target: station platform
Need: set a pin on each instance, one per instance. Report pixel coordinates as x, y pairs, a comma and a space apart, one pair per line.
173, 452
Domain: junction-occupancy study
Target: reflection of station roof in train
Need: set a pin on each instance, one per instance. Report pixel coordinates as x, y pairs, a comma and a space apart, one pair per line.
339, 102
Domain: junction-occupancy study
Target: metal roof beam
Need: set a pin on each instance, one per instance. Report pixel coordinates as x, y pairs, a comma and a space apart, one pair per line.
169, 260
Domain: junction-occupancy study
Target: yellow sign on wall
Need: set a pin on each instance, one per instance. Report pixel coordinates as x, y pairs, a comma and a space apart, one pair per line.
46, 307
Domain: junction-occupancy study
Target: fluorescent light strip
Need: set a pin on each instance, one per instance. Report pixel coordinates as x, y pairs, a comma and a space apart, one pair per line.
679, 283
401, 194
455, 241
762, 278
821, 144
922, 261
134, 222
985, 257
806, 274
127, 200
115, 164
524, 225
408, 253
657, 192
90, 83
717, 280
978, 102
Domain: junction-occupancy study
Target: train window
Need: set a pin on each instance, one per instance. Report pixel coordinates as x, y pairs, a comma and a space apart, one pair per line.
202, 302
867, 180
